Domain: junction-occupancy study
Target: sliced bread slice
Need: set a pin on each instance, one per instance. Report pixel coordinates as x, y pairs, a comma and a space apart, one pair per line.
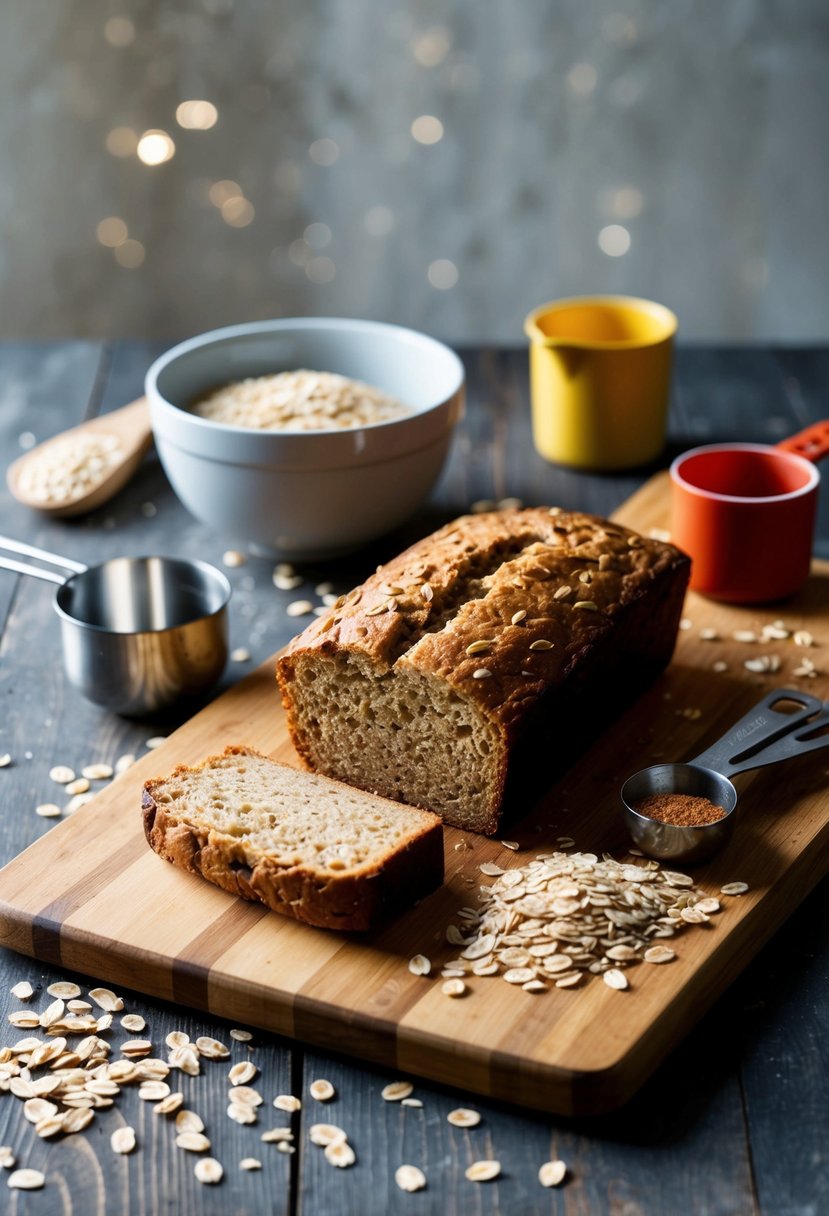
305, 845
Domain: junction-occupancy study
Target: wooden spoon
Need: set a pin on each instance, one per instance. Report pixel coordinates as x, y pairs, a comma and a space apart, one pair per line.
130, 426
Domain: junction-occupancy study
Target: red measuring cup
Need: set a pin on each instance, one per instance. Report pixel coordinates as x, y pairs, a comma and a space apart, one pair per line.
745, 514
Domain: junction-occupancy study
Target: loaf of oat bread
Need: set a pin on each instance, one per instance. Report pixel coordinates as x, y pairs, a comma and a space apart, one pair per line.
306, 846
428, 683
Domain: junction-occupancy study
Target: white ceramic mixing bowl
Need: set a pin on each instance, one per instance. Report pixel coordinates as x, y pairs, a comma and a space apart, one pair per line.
303, 495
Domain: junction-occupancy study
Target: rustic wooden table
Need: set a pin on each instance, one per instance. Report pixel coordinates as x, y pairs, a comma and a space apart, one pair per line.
735, 1122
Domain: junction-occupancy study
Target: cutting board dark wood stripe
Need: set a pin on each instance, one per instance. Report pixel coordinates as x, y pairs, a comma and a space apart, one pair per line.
91, 896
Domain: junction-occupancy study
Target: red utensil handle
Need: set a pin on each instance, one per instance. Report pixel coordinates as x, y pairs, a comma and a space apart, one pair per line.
812, 444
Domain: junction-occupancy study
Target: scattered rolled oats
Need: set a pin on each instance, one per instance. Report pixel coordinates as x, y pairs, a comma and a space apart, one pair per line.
64, 989
188, 1121
420, 965
242, 1072
321, 1090
340, 1154
96, 772
75, 803
416, 1102
240, 655
322, 1134
193, 1142
734, 888
483, 1171
232, 558
154, 742
5, 760
659, 954
243, 1095
153, 1091
242, 1113
409, 1178
250, 1163
133, 1022
62, 774
744, 635
299, 608
213, 1049
170, 1104
276, 1135
709, 635
7, 1157
209, 1171
122, 1140
453, 987
552, 1173
26, 1180
395, 1090
287, 1102
802, 637
23, 990
241, 1036
124, 762
79, 786
48, 810
764, 663
105, 999
463, 1117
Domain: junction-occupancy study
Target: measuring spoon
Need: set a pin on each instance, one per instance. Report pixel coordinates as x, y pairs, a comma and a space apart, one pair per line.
138, 633
765, 735
127, 429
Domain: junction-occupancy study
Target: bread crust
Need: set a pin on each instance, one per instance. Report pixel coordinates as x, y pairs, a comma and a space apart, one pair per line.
352, 900
583, 584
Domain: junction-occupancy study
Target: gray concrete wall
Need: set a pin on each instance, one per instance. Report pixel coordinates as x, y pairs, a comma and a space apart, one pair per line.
698, 127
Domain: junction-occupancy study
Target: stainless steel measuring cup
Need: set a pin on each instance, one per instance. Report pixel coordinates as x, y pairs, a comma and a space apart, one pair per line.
765, 735
138, 632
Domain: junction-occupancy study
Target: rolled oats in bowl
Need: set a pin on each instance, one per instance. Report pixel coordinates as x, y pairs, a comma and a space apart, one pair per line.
298, 401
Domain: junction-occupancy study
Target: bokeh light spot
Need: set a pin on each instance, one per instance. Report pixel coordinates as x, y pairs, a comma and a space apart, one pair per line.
318, 235
238, 211
130, 254
155, 147
121, 141
223, 190
614, 240
378, 221
111, 232
582, 78
442, 274
197, 115
324, 152
427, 129
321, 269
119, 31
432, 47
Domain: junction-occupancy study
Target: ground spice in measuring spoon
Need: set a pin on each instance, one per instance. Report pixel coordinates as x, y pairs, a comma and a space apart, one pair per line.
681, 810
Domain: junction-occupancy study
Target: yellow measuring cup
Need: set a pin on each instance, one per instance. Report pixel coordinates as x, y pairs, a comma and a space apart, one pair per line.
600, 370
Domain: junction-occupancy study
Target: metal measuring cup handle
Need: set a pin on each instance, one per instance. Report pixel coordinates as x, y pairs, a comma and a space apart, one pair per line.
762, 736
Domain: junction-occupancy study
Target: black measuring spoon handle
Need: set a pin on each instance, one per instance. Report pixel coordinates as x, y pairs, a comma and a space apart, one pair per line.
749, 741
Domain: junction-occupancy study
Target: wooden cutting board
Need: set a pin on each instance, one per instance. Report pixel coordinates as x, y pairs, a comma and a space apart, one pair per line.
92, 897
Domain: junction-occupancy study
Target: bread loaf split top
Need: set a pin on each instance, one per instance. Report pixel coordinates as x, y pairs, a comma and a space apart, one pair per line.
305, 846
420, 683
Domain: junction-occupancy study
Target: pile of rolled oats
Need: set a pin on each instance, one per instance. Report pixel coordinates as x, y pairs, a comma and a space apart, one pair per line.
567, 916
68, 467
